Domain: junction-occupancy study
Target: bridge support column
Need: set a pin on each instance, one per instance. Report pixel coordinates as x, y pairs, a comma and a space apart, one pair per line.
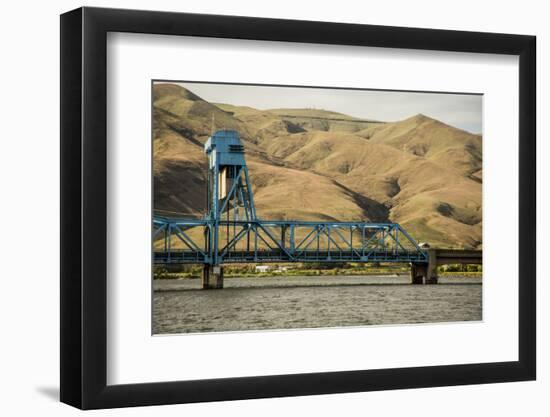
212, 277
425, 273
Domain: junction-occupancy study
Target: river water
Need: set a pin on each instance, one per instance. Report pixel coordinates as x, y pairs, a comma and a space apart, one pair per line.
180, 306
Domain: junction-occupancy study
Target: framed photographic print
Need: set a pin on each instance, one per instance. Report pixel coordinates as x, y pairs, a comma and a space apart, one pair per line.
257, 208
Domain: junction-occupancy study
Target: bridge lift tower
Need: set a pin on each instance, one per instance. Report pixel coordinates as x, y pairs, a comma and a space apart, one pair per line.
229, 196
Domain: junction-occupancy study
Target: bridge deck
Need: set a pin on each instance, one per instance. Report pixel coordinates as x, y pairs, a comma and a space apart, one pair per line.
458, 256
265, 256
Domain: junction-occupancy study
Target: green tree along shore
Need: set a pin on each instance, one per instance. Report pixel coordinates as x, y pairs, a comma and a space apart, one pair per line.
312, 269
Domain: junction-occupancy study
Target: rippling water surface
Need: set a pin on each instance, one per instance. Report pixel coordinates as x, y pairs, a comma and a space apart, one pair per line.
180, 306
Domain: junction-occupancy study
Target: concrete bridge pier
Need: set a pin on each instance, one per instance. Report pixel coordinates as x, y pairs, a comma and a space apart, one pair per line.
212, 277
425, 273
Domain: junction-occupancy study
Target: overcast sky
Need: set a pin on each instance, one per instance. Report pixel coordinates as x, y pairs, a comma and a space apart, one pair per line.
460, 110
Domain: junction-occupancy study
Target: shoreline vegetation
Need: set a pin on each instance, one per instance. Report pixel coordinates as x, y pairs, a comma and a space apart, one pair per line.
250, 271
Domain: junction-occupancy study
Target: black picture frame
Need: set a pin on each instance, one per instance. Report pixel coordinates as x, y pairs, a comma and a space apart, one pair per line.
84, 207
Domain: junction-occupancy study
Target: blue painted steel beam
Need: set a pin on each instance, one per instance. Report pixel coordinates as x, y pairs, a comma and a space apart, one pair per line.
387, 242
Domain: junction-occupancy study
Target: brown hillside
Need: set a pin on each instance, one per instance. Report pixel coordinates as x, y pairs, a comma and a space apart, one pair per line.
179, 164
416, 190
419, 172
432, 139
322, 120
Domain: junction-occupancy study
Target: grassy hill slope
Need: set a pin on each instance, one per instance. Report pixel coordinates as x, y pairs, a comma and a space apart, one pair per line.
313, 164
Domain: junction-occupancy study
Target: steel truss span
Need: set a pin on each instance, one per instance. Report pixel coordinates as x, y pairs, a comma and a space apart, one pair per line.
185, 242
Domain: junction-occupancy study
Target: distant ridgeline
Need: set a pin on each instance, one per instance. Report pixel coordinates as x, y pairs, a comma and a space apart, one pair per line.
311, 164
311, 119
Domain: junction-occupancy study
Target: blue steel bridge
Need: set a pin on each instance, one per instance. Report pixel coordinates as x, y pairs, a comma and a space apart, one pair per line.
231, 232
261, 241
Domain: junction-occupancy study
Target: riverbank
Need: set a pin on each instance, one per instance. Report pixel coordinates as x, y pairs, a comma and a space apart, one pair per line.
164, 275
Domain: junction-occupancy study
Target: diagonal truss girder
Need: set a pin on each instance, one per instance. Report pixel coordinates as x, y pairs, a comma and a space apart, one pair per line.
281, 241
